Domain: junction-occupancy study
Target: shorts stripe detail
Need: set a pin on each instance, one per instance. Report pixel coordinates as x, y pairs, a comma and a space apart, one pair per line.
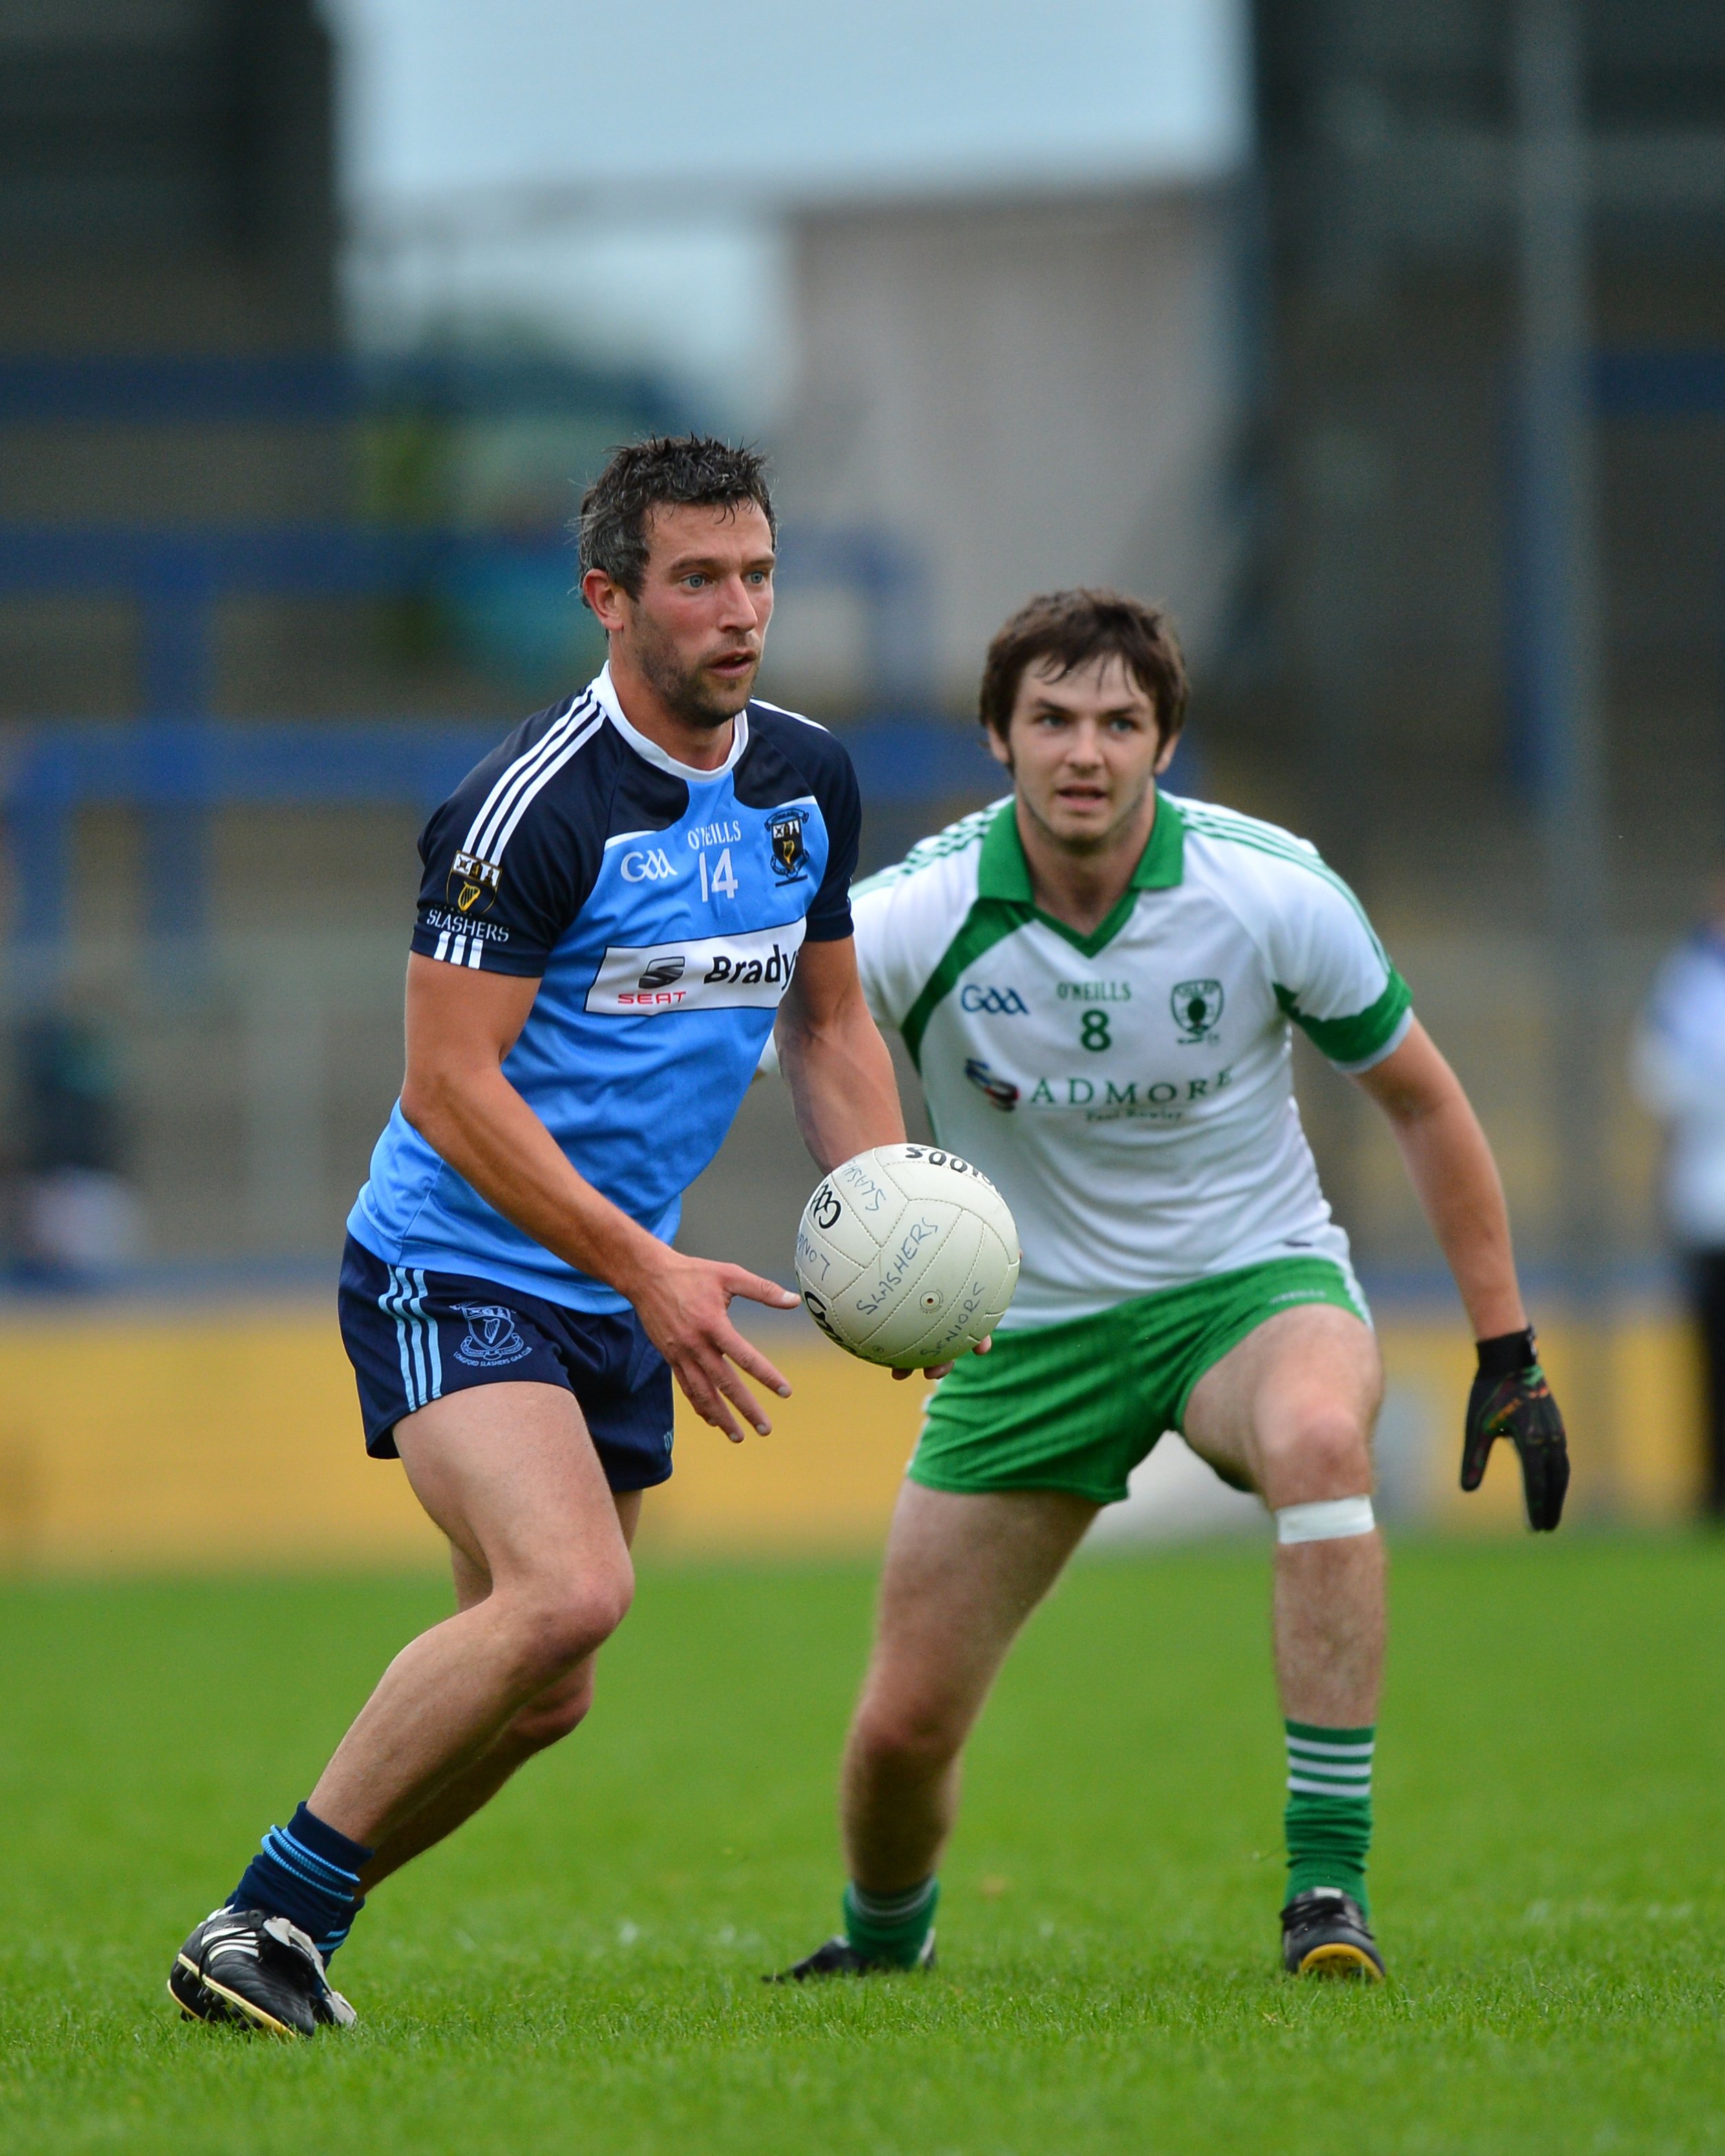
417, 1336
430, 1325
388, 1304
422, 1363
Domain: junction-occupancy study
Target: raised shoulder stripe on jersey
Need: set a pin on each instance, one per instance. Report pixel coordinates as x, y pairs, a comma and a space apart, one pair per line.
1278, 845
524, 800
1218, 812
779, 711
967, 832
501, 783
516, 774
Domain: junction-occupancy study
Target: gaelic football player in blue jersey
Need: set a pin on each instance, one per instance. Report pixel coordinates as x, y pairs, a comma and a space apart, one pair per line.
617, 904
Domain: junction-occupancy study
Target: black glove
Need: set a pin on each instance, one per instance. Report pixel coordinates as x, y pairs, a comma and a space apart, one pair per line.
1511, 1399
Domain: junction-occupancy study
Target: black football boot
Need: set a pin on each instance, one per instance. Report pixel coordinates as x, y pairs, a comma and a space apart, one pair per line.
1324, 1932
839, 1958
256, 1971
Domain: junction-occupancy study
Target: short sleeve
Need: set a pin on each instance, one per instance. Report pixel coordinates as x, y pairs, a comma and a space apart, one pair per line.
829, 920
497, 908
885, 961
1332, 977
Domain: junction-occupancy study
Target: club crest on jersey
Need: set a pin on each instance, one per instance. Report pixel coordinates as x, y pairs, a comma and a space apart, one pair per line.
790, 856
491, 1335
1196, 1005
472, 885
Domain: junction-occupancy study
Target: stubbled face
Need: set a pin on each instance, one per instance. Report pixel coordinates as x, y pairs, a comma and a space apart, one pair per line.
1083, 750
697, 630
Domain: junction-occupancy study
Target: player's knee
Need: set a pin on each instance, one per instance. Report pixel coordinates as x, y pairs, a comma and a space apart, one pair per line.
1324, 1452
909, 1734
560, 1624
548, 1720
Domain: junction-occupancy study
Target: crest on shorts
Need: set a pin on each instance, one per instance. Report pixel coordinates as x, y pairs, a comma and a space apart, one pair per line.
471, 885
790, 856
1196, 1005
492, 1336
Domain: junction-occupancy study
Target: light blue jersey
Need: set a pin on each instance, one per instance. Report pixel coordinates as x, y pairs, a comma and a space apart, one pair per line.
662, 909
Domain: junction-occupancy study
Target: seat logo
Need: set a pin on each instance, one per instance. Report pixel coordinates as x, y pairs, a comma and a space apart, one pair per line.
653, 866
663, 971
1196, 1005
998, 1003
491, 1335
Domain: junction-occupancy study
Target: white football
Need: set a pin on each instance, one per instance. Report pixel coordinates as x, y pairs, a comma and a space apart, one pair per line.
907, 1256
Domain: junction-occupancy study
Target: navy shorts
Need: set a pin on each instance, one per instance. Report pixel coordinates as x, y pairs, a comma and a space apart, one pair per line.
414, 1337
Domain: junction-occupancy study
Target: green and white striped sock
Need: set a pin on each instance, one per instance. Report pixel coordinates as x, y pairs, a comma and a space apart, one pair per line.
890, 1927
1328, 1820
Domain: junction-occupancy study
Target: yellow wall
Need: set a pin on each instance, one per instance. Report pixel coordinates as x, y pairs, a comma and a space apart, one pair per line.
222, 1438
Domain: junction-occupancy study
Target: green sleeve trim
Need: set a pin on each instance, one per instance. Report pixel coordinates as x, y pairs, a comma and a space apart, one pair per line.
1351, 1041
988, 920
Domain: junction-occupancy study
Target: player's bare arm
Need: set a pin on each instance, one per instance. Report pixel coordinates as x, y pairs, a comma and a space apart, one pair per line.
1449, 1165
839, 1069
460, 1027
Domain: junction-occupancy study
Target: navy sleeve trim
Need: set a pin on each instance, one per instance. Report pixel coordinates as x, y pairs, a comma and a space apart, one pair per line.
442, 935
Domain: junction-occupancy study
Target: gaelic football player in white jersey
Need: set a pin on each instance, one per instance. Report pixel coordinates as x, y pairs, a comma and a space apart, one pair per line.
1096, 981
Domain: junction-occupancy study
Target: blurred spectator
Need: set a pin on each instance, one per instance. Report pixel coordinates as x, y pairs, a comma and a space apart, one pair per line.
1679, 1074
79, 1219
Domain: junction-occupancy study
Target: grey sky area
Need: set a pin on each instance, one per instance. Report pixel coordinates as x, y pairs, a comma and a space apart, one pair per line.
615, 175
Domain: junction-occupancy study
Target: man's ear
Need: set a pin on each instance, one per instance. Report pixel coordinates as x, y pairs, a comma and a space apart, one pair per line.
1165, 754
997, 746
607, 598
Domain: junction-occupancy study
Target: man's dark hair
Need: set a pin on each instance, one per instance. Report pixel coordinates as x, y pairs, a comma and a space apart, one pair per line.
661, 472
1071, 628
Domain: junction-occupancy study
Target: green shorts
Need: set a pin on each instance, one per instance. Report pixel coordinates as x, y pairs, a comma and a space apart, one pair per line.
1077, 1406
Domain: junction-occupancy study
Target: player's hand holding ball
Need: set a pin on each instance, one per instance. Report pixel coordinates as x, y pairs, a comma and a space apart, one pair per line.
907, 1256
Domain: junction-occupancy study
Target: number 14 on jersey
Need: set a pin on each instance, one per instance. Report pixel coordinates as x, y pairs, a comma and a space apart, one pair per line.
721, 880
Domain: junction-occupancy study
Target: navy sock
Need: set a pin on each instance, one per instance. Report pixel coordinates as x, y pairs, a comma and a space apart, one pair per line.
309, 1873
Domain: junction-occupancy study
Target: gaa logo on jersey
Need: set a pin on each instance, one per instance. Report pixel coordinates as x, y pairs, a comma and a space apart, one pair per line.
790, 856
1196, 1005
472, 884
491, 1335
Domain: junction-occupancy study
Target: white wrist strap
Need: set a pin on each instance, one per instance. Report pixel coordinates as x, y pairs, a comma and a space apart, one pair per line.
1329, 1522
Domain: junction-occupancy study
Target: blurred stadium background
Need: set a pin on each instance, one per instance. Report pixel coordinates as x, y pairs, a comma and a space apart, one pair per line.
316, 318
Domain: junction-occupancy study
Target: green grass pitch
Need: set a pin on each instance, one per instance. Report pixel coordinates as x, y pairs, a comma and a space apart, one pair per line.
579, 1970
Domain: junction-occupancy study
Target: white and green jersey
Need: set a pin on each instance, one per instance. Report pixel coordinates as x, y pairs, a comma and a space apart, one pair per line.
1130, 1092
